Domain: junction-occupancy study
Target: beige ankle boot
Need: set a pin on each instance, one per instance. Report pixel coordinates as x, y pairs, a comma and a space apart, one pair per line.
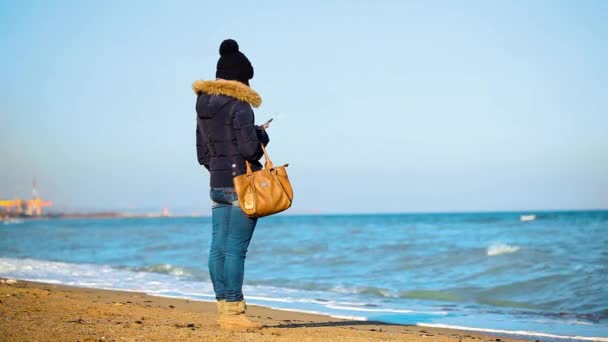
233, 317
220, 308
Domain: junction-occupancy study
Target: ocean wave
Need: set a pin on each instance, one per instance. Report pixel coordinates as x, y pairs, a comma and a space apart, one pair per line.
501, 248
373, 291
430, 295
178, 271
301, 249
286, 283
101, 276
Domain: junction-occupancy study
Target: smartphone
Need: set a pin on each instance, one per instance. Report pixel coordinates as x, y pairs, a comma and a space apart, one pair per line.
267, 122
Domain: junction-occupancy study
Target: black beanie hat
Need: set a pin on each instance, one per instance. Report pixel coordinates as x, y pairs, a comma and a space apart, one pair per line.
233, 64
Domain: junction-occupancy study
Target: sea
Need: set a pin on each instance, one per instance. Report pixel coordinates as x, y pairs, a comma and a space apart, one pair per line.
542, 277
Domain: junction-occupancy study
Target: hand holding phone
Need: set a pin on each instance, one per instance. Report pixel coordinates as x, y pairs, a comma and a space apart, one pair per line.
266, 124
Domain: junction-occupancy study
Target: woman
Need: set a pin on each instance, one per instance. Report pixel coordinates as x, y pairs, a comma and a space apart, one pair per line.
226, 136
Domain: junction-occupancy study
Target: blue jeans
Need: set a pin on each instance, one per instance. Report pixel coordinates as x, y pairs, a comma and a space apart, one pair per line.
232, 231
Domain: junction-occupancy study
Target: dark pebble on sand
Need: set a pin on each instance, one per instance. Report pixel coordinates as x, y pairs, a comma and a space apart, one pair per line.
139, 322
79, 321
190, 325
172, 307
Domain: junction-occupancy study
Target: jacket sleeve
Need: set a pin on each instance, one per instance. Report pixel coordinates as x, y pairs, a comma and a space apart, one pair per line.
262, 135
247, 139
202, 150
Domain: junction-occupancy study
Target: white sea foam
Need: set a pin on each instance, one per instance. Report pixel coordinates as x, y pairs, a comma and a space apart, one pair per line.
501, 248
525, 218
158, 284
353, 308
98, 276
271, 299
403, 311
167, 269
350, 318
513, 332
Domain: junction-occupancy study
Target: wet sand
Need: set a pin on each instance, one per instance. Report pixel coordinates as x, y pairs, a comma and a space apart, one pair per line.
43, 312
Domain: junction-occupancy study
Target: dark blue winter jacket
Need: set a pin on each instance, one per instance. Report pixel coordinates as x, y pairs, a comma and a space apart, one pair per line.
226, 134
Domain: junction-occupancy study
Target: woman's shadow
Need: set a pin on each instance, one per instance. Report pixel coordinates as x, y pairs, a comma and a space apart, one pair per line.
327, 324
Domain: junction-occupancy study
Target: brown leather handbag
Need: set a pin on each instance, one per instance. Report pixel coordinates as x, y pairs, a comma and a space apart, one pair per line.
264, 192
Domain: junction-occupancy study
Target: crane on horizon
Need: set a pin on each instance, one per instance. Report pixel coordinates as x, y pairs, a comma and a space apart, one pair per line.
31, 207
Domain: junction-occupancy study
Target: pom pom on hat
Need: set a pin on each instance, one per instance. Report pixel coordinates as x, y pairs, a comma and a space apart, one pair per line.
228, 46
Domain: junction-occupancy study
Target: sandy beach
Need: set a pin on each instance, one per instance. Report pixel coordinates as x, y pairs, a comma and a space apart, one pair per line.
46, 312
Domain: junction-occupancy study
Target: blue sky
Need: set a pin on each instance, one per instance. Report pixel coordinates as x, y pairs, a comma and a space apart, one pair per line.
385, 106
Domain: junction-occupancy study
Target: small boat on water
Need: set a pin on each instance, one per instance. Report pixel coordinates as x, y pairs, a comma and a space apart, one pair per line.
525, 218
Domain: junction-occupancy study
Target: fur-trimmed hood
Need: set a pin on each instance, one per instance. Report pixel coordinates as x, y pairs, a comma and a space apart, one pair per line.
234, 89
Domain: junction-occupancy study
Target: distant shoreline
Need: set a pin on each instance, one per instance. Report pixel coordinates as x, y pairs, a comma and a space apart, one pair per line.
113, 214
97, 215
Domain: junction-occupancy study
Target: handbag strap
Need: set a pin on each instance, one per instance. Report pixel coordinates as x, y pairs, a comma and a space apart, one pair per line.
267, 162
